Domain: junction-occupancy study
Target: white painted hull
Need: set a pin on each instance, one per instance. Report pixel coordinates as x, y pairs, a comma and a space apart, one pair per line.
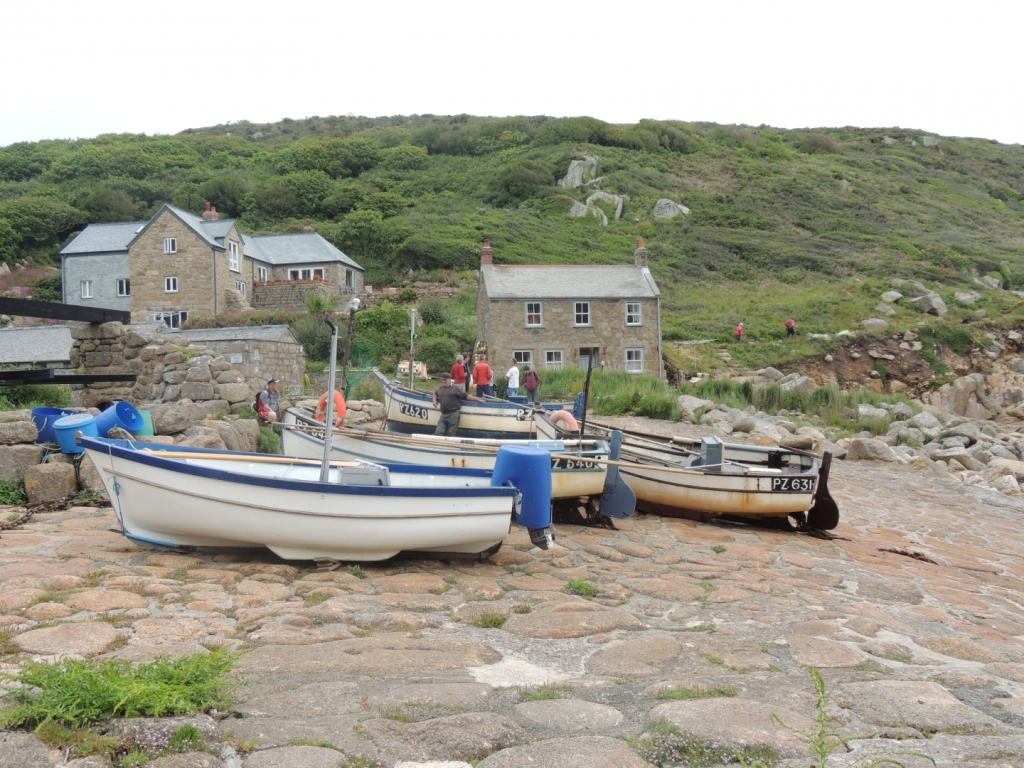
221, 503
585, 478
663, 483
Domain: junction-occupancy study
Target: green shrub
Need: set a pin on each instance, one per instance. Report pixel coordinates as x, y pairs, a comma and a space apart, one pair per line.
35, 396
269, 441
315, 337
433, 311
438, 354
769, 399
13, 492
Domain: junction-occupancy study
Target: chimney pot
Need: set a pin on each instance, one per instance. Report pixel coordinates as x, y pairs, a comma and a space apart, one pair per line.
486, 253
640, 254
210, 214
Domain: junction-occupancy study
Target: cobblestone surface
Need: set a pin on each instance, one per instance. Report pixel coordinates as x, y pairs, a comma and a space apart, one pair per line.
914, 614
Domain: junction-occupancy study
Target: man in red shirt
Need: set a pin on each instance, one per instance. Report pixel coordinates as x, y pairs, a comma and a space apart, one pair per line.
482, 375
739, 332
460, 372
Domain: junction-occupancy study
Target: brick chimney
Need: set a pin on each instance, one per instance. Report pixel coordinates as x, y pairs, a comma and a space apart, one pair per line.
210, 214
308, 227
640, 254
486, 253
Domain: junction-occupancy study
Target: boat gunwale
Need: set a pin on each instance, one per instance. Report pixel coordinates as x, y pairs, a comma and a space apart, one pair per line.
182, 466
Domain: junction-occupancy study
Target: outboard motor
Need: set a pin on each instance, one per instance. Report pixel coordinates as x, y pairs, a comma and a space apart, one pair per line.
528, 470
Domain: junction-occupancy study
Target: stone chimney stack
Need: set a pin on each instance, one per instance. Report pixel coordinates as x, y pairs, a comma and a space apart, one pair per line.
308, 227
486, 253
640, 254
210, 214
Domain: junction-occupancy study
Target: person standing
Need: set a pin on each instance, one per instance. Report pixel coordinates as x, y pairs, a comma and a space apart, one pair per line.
268, 401
790, 327
482, 375
512, 377
448, 398
532, 383
739, 332
460, 373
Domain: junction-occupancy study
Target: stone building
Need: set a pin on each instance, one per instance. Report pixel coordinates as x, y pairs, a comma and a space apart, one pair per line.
259, 352
178, 264
36, 346
565, 315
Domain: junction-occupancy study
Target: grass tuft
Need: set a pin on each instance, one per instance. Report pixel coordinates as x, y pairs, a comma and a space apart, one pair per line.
580, 587
77, 693
490, 621
696, 693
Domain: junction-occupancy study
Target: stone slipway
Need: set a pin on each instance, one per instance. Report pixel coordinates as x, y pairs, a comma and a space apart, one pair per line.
914, 615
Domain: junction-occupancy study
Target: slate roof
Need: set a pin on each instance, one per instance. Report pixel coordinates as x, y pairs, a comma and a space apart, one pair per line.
219, 229
37, 344
104, 238
569, 281
245, 333
297, 248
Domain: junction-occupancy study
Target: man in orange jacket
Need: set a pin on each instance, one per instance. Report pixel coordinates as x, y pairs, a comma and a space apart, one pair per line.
483, 375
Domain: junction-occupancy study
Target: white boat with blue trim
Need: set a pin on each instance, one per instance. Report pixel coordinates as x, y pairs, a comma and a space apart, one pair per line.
412, 412
576, 470
177, 496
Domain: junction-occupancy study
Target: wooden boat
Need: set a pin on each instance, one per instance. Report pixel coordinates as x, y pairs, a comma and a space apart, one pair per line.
582, 475
178, 496
412, 412
708, 478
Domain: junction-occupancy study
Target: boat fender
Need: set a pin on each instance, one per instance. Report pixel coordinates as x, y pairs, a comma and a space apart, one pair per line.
340, 411
527, 469
571, 425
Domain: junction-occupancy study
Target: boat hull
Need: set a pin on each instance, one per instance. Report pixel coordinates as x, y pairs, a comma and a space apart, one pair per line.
585, 477
221, 503
749, 488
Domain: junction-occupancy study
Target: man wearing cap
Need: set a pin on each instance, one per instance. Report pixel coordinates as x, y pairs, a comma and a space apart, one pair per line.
448, 398
268, 402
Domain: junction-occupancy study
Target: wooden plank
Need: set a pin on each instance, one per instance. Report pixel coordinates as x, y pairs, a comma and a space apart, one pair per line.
53, 311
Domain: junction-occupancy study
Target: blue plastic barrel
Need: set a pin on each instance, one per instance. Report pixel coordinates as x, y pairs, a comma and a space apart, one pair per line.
518, 399
120, 414
529, 470
66, 427
44, 418
147, 424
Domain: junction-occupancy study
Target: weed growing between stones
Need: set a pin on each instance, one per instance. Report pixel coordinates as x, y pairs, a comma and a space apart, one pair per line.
825, 739
308, 743
665, 746
357, 571
77, 693
7, 644
544, 692
580, 587
710, 692
13, 492
397, 715
718, 549
704, 627
490, 621
137, 749
316, 599
521, 609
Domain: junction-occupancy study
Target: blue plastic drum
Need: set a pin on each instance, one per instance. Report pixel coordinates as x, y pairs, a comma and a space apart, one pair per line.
529, 470
65, 429
120, 414
44, 419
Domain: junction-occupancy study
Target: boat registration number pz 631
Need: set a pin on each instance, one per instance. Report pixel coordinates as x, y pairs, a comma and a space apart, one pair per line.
793, 484
416, 411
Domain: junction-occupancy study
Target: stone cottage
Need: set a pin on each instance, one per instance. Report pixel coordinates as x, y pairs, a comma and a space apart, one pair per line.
553, 316
178, 264
259, 352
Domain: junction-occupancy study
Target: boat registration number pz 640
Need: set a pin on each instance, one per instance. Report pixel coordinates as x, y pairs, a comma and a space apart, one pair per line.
793, 484
416, 411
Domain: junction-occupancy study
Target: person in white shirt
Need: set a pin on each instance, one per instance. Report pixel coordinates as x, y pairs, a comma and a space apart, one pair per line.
513, 378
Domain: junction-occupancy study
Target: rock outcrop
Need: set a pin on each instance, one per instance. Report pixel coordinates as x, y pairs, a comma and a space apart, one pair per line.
578, 172
669, 209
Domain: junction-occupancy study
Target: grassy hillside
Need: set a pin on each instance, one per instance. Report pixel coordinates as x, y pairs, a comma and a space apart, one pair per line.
806, 223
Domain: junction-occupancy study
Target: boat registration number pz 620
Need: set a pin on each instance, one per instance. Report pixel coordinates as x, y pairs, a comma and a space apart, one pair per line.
416, 411
793, 484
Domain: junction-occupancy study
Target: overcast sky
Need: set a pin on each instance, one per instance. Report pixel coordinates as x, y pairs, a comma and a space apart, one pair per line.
78, 69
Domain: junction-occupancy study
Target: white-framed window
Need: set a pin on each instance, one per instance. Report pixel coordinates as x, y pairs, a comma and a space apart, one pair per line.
172, 319
264, 275
523, 356
87, 289
350, 278
240, 286
582, 313
552, 358
306, 274
635, 360
534, 314
233, 263
124, 287
170, 285
634, 316
170, 245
